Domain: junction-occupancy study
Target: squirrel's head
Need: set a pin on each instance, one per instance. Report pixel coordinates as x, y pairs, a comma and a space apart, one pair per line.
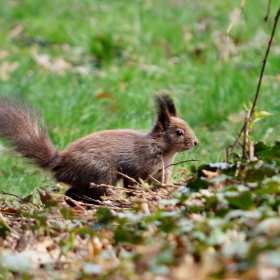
173, 133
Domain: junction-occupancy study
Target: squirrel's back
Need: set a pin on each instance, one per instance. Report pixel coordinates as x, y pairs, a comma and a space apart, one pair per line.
102, 155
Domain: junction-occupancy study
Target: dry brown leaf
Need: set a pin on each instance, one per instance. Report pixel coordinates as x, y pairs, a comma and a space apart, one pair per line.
94, 246
23, 241
9, 210
45, 197
82, 70
57, 65
211, 174
79, 208
41, 60
188, 269
44, 251
6, 69
105, 95
16, 31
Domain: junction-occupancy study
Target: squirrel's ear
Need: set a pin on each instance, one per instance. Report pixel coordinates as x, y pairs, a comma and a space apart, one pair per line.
165, 103
165, 109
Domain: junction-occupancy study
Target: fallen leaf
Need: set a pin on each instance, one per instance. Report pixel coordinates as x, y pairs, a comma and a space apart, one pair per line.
6, 69
45, 197
95, 246
59, 65
105, 95
210, 174
16, 31
56, 65
79, 208
9, 210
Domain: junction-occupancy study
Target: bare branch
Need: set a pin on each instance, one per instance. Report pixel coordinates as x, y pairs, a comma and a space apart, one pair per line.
246, 134
127, 177
268, 11
157, 181
11, 194
251, 150
264, 62
259, 83
180, 162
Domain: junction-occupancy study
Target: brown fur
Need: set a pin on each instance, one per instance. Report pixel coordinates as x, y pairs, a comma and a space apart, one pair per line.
99, 157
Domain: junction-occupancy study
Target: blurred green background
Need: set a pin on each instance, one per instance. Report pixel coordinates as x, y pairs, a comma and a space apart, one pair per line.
92, 65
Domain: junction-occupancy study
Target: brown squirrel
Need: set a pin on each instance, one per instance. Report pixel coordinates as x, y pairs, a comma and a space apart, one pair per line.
101, 157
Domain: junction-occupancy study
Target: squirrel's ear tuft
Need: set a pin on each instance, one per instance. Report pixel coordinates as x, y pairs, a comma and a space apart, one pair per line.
165, 109
165, 103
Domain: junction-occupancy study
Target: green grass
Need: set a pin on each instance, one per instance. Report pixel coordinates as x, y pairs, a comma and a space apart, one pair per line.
133, 49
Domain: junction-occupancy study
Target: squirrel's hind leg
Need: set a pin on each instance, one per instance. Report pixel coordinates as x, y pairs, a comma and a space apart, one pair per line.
91, 193
86, 193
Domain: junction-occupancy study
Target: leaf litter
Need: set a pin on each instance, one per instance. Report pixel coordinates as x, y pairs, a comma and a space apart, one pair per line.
216, 225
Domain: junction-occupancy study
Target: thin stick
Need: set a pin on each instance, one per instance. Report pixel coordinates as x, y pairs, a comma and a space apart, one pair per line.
268, 11
246, 134
87, 198
264, 62
93, 185
251, 150
227, 154
11, 195
239, 11
77, 203
131, 179
157, 181
176, 163
260, 80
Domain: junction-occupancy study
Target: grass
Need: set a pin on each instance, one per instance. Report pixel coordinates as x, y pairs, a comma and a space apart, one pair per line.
131, 49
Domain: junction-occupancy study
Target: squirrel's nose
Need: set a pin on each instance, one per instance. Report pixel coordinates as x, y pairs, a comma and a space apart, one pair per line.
195, 142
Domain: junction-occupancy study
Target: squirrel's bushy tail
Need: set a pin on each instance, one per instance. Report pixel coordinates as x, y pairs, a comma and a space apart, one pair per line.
24, 127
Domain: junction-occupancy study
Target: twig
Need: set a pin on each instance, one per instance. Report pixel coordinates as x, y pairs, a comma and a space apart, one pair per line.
227, 154
176, 163
237, 139
246, 134
77, 203
251, 151
127, 177
157, 181
93, 185
268, 11
260, 81
226, 35
264, 62
11, 195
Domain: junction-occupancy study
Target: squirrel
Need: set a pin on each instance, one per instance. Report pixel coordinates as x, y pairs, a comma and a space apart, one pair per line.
103, 157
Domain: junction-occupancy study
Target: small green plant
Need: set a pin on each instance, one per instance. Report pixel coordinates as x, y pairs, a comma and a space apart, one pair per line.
105, 47
251, 119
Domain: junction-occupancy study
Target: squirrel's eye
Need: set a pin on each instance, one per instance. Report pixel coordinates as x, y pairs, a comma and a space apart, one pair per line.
179, 132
